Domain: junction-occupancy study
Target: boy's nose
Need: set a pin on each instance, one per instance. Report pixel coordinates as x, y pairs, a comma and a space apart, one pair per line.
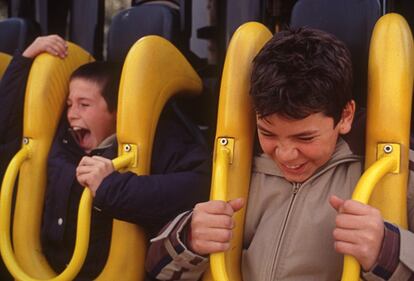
72, 114
286, 153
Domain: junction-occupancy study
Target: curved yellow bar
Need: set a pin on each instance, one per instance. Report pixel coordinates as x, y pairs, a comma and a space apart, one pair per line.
6, 201
236, 123
390, 85
4, 62
219, 192
154, 70
362, 193
46, 91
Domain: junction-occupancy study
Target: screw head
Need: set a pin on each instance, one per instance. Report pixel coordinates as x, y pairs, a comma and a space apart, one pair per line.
224, 141
388, 149
25, 140
127, 148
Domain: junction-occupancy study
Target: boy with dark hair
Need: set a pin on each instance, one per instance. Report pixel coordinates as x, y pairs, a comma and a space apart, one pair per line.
297, 225
80, 156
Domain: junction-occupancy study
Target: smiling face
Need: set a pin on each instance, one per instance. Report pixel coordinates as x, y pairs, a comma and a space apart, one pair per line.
300, 147
88, 114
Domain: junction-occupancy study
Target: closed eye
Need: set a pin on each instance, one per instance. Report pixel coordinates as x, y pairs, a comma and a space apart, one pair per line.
265, 133
306, 138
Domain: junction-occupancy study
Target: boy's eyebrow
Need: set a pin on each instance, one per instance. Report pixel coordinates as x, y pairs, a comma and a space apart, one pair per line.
301, 134
80, 99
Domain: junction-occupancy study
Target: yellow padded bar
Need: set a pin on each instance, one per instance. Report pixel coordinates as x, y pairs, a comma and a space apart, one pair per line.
234, 139
46, 92
154, 71
4, 62
390, 85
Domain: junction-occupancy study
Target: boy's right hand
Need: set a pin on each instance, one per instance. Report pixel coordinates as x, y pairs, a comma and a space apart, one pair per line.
212, 224
52, 44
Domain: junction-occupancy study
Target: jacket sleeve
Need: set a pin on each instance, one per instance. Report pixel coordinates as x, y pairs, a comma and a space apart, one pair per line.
180, 178
12, 90
168, 257
397, 249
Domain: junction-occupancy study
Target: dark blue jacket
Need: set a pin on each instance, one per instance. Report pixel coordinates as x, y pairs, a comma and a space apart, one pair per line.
180, 177
12, 89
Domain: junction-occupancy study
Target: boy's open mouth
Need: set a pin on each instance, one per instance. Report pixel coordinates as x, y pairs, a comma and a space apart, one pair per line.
79, 134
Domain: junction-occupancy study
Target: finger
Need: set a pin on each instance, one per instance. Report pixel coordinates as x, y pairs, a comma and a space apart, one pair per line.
100, 158
83, 180
212, 234
345, 248
356, 208
204, 220
217, 207
88, 161
81, 170
55, 49
236, 204
350, 221
346, 235
108, 162
208, 247
336, 202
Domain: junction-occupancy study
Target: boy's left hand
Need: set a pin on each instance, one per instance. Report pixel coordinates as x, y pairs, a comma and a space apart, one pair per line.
92, 170
359, 230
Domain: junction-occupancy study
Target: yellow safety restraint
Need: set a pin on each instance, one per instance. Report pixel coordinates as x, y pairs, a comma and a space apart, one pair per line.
390, 86
4, 62
154, 71
234, 140
45, 98
149, 79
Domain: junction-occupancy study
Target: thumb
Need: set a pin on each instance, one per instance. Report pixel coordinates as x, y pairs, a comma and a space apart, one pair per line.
236, 204
336, 202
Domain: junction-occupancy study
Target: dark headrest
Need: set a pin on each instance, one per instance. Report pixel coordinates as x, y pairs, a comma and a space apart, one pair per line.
17, 33
352, 21
148, 19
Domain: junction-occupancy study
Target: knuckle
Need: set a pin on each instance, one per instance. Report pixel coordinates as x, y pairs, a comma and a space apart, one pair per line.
335, 233
348, 204
224, 246
227, 222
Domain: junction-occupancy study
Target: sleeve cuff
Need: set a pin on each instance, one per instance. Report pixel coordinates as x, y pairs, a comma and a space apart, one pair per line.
388, 258
173, 259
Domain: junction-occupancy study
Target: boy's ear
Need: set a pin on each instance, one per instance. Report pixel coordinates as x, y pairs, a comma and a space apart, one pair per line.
347, 117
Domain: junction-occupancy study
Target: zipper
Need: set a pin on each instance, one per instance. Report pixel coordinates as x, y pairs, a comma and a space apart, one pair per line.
275, 256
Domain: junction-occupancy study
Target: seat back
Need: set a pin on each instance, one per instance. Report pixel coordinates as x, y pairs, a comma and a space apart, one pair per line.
146, 19
87, 25
352, 22
17, 33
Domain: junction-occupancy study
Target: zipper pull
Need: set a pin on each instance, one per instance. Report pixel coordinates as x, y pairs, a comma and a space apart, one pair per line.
296, 188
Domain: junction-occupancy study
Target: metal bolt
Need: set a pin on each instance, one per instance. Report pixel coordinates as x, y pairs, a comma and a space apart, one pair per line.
224, 141
25, 140
388, 149
127, 148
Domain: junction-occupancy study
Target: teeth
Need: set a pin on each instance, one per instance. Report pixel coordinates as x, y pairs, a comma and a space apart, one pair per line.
292, 166
76, 128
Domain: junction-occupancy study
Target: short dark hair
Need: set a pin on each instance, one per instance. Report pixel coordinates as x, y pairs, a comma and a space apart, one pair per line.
300, 72
106, 75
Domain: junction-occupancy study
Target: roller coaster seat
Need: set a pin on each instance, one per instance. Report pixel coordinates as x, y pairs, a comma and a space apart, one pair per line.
17, 33
352, 21
146, 19
158, 18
